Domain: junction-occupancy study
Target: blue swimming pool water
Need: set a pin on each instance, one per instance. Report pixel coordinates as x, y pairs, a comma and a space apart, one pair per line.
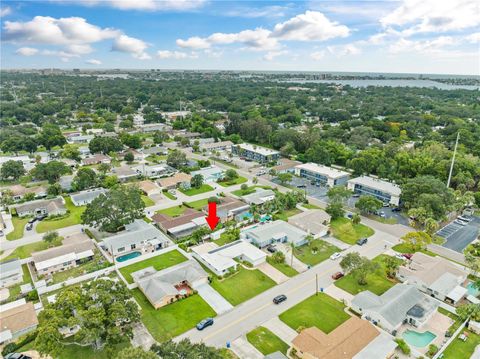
472, 290
128, 256
419, 340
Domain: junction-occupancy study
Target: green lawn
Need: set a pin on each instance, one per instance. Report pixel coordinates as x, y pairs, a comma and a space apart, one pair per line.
377, 282
223, 240
284, 215
174, 211
194, 191
169, 195
459, 349
306, 255
15, 290
238, 180
173, 319
405, 248
198, 205
26, 251
148, 201
242, 285
73, 217
98, 262
321, 311
266, 342
249, 190
18, 227
309, 206
344, 230
160, 262
282, 267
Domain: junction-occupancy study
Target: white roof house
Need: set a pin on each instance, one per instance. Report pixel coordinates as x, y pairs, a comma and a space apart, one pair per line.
328, 176
257, 149
11, 273
209, 174
221, 259
276, 231
383, 190
260, 196
85, 197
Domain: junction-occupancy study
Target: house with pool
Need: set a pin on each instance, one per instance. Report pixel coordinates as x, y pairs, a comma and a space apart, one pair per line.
138, 238
435, 276
401, 304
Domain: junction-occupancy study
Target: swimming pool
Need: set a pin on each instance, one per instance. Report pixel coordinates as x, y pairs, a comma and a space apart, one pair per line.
472, 290
417, 339
128, 256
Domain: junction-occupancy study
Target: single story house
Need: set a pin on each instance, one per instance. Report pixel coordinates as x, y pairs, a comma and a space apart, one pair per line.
66, 182
209, 174
178, 179
16, 319
18, 191
95, 131
274, 232
155, 150
322, 175
260, 196
124, 173
96, 159
75, 250
49, 207
435, 276
137, 155
85, 197
221, 260
148, 187
344, 342
182, 225
78, 139
170, 284
385, 191
153, 127
216, 146
11, 273
138, 236
314, 222
155, 171
229, 208
403, 303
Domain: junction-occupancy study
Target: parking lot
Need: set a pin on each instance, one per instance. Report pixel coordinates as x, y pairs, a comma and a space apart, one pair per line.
457, 237
319, 193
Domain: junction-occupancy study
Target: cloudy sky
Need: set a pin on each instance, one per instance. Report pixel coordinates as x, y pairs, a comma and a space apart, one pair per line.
420, 36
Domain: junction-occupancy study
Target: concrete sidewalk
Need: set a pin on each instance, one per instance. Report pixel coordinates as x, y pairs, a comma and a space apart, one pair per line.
281, 330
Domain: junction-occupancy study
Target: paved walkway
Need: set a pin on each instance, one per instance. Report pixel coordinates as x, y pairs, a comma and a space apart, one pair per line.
245, 350
272, 272
214, 299
141, 337
281, 330
336, 242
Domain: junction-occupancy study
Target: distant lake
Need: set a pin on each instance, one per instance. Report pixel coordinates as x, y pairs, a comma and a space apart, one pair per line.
391, 83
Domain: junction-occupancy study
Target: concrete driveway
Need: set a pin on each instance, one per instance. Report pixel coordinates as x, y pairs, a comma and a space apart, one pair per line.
214, 299
296, 264
141, 337
281, 330
272, 272
244, 349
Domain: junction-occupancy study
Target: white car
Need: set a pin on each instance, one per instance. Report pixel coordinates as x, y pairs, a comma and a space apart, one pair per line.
335, 256
399, 256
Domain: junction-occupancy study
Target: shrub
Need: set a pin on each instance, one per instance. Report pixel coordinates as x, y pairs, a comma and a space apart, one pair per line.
432, 350
12, 347
403, 346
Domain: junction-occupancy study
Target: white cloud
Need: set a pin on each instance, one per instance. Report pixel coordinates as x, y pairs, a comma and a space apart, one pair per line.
426, 46
93, 62
26, 51
473, 38
5, 11
344, 50
421, 16
79, 49
131, 45
178, 55
311, 26
317, 55
269, 56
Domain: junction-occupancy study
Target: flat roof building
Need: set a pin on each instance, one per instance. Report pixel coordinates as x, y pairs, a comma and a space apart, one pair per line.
274, 232
209, 174
256, 153
323, 175
260, 196
385, 191
314, 222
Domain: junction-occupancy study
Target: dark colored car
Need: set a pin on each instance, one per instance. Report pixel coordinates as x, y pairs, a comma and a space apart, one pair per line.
301, 186
33, 220
280, 298
41, 217
17, 356
29, 226
337, 275
408, 255
205, 323
362, 241
396, 209
271, 249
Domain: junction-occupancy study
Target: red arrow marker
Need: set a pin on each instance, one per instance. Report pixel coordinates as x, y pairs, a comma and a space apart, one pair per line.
212, 218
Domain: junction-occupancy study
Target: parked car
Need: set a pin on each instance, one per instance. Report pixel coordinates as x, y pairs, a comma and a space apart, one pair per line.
301, 186
337, 275
459, 222
362, 241
465, 219
29, 226
350, 215
41, 217
261, 173
356, 195
271, 249
205, 323
408, 255
386, 204
335, 256
17, 356
382, 214
280, 298
396, 209
1, 233
400, 256
33, 220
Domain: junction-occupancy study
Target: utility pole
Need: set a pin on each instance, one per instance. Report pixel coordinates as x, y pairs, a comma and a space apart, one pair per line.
316, 284
453, 160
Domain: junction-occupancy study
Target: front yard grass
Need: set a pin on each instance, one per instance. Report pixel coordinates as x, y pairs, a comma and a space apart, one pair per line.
344, 230
459, 349
174, 211
14, 291
98, 262
306, 255
71, 218
198, 205
282, 267
377, 282
27, 250
169, 195
173, 319
266, 342
321, 311
224, 239
238, 180
242, 285
18, 228
405, 248
194, 191
148, 201
309, 206
284, 215
160, 262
